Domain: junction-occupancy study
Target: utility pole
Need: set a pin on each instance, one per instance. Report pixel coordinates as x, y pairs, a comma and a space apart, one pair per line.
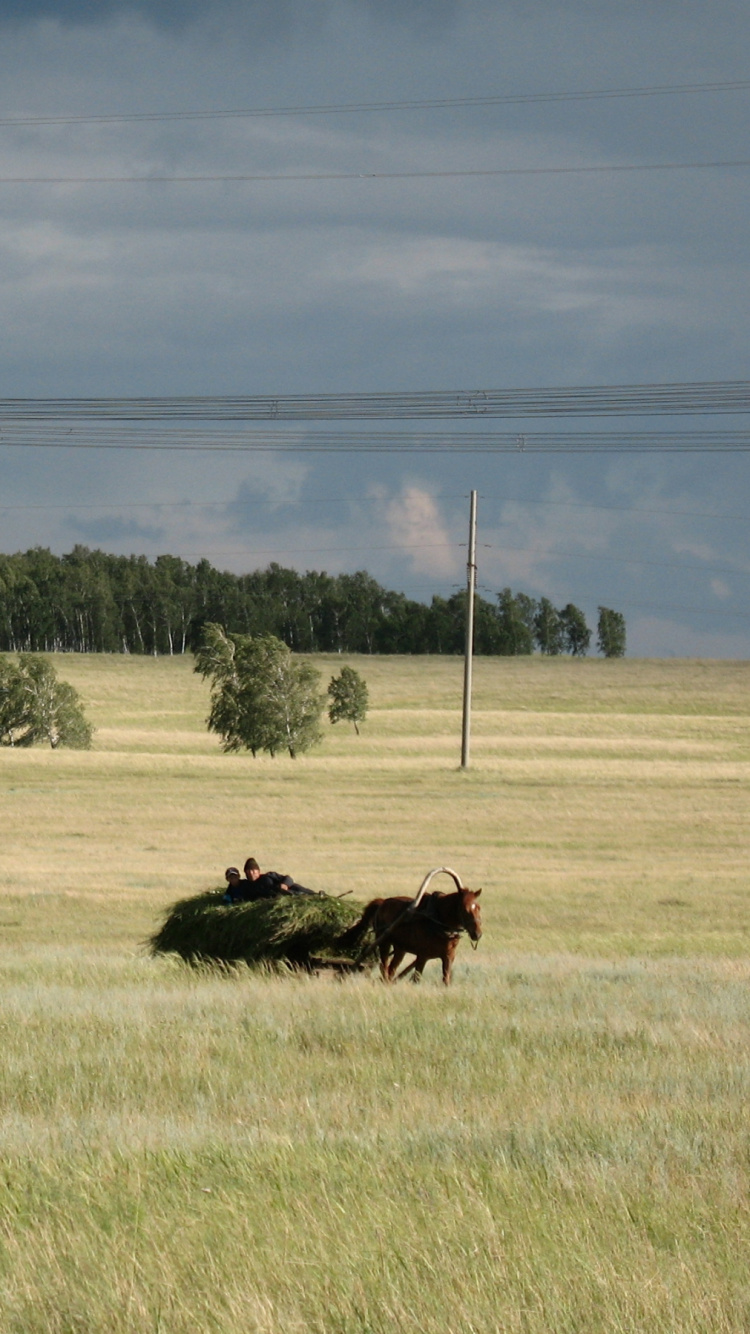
471, 582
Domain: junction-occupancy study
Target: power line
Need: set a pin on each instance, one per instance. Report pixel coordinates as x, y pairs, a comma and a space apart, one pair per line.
728, 396
257, 177
617, 509
270, 554
466, 443
547, 553
230, 502
425, 104
619, 560
490, 546
233, 502
672, 606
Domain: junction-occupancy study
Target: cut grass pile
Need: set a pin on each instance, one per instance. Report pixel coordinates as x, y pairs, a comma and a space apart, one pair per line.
290, 928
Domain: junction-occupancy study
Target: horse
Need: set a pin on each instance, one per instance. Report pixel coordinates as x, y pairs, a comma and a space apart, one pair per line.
428, 927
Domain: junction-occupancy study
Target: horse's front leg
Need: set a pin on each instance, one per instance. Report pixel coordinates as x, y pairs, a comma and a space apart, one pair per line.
448, 957
384, 950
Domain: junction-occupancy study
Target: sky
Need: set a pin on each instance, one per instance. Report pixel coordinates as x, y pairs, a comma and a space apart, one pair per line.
375, 285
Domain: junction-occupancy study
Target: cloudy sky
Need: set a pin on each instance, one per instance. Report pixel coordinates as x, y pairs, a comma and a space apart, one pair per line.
360, 285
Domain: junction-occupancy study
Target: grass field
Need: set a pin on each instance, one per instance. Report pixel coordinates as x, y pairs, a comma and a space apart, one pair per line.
559, 1143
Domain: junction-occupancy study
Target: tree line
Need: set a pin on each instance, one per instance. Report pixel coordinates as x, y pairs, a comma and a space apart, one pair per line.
89, 601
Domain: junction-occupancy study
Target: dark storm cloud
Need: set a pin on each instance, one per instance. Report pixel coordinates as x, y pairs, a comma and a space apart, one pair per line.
18, 12
262, 15
258, 16
371, 284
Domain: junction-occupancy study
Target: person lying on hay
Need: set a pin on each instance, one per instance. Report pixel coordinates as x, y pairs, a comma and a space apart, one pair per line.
267, 884
259, 885
236, 886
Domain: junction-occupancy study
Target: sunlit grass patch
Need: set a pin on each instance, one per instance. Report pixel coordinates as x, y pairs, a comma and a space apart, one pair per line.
556, 1144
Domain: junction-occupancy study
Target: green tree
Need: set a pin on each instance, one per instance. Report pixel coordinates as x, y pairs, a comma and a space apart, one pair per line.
548, 629
15, 712
262, 697
576, 633
35, 706
611, 633
349, 699
515, 632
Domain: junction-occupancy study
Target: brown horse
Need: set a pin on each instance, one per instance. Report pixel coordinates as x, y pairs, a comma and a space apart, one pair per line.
429, 927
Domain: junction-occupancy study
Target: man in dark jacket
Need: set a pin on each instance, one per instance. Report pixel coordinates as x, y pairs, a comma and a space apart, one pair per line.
267, 884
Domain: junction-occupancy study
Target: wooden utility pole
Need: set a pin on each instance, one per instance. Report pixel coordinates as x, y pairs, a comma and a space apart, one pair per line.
471, 583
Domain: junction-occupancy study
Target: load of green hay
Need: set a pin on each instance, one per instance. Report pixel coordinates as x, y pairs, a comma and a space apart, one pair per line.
292, 928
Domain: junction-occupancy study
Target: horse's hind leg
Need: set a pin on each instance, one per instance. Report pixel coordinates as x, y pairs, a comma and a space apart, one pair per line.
395, 960
419, 964
416, 968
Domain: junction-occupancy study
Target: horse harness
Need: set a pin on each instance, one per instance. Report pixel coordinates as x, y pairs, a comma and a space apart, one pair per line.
426, 910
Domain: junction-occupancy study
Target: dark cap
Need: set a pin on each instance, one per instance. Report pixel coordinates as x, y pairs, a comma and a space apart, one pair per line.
251, 865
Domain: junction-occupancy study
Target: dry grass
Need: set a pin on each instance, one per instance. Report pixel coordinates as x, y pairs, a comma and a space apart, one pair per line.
559, 1143
603, 813
555, 1146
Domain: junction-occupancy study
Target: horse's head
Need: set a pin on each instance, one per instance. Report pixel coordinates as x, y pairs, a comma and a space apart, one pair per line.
471, 913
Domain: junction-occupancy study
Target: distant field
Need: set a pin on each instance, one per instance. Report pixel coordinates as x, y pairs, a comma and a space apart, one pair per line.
560, 1143
605, 809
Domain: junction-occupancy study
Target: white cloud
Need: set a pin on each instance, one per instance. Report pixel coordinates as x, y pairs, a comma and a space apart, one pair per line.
414, 525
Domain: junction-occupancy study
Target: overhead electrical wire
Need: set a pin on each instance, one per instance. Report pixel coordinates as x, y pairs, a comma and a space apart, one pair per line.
232, 502
300, 176
423, 104
619, 560
473, 442
702, 397
417, 443
672, 606
269, 552
490, 546
617, 509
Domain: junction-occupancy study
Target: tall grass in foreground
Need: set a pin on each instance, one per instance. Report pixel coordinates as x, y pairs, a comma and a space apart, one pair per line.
553, 1146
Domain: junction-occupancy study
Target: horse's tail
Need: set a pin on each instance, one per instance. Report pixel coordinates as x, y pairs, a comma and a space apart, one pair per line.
355, 933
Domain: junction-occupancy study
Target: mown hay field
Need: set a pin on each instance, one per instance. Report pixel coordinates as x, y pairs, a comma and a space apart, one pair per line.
560, 1142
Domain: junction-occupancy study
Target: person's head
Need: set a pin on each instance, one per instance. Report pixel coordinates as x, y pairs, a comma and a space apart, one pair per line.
252, 869
232, 875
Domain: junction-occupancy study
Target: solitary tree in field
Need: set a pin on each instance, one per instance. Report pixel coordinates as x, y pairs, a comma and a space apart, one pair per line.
35, 706
262, 697
349, 698
611, 633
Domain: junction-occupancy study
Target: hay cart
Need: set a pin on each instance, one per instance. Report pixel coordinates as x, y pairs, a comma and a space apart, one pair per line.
298, 931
